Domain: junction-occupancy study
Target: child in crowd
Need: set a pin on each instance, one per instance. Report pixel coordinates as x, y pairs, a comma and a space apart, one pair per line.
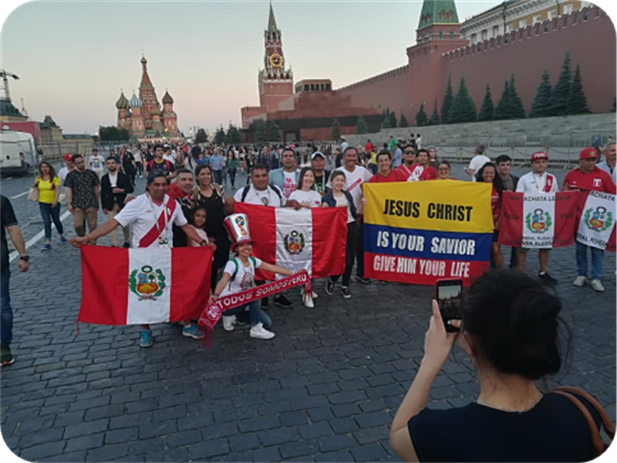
198, 221
239, 275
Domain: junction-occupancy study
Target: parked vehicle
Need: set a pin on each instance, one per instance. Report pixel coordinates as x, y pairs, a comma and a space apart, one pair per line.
18, 153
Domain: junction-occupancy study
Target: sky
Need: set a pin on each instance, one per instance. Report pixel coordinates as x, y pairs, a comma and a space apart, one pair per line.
73, 58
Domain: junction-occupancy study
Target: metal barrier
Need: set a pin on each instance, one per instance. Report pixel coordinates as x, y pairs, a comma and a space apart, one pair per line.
55, 151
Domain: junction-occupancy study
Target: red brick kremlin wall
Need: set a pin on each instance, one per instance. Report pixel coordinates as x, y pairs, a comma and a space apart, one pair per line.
527, 53
530, 51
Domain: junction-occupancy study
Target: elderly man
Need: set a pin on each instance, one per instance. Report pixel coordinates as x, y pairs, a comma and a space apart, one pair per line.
608, 166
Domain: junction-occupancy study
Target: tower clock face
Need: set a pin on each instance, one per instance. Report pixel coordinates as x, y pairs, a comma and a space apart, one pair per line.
276, 60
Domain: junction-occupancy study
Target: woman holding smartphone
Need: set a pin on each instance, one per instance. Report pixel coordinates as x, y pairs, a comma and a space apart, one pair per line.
510, 328
48, 184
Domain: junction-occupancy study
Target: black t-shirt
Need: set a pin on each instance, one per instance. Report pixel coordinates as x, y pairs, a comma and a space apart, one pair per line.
7, 219
554, 430
127, 161
338, 160
166, 167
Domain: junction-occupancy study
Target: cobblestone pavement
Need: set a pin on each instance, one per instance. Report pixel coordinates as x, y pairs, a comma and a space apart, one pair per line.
325, 389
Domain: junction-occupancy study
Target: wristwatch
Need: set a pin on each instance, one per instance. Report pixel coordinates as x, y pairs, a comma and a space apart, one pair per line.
25, 258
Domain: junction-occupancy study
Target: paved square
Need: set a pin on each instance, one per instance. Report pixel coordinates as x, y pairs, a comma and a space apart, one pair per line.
325, 389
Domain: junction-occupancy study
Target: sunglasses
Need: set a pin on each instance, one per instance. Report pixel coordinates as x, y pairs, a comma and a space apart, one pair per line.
408, 152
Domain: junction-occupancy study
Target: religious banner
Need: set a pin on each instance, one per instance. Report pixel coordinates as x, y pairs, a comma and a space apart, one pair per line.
421, 232
308, 239
538, 220
597, 225
137, 286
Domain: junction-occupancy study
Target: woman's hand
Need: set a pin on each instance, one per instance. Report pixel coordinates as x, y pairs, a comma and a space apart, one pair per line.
324, 205
437, 342
54, 204
213, 298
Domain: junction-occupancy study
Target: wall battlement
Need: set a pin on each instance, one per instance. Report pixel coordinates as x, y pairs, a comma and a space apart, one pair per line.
378, 78
585, 18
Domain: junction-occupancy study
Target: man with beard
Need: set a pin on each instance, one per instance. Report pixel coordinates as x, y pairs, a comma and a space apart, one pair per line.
115, 186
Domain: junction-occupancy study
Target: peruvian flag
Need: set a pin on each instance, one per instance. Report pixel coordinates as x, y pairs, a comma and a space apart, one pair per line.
308, 239
135, 286
538, 220
596, 227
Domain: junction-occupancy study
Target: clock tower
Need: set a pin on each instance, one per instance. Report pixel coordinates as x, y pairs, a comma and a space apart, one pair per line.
275, 80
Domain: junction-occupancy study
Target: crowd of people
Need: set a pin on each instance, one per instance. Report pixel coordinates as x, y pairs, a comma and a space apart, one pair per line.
194, 177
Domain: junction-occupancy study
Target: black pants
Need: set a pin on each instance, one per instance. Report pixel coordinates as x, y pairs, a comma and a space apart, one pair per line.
350, 252
221, 256
360, 249
232, 177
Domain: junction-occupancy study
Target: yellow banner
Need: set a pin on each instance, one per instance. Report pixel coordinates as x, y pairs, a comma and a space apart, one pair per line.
440, 205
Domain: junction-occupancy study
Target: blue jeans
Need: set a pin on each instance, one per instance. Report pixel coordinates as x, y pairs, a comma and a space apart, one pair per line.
218, 176
51, 213
6, 312
256, 315
597, 261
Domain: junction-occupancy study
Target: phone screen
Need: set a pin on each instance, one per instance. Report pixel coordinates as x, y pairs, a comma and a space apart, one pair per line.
450, 298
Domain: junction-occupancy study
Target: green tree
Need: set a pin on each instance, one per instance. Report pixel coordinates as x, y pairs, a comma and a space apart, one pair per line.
463, 108
561, 91
392, 117
385, 123
403, 122
219, 137
446, 104
435, 116
274, 131
421, 118
541, 106
233, 135
577, 102
113, 133
504, 107
518, 111
336, 130
361, 126
259, 130
201, 136
487, 110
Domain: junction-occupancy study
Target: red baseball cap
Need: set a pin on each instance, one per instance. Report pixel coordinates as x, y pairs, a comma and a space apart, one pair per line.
588, 153
539, 155
68, 157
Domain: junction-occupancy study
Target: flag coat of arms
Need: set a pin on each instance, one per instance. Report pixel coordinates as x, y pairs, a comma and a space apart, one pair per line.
138, 286
308, 239
597, 225
538, 220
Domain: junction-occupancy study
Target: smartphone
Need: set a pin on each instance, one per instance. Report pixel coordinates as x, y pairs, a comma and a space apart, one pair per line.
449, 295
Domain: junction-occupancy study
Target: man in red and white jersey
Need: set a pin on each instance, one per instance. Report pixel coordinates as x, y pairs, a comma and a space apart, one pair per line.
588, 177
151, 217
420, 169
386, 173
538, 181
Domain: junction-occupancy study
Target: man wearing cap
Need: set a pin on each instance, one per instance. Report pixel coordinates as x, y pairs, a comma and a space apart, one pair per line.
585, 178
534, 182
286, 178
96, 163
608, 166
318, 163
152, 216
68, 167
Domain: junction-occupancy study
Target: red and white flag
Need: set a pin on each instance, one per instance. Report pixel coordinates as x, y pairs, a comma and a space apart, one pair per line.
135, 286
308, 239
538, 220
597, 225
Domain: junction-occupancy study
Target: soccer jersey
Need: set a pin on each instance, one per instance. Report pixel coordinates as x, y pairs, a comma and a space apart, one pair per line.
418, 172
395, 175
595, 180
151, 223
244, 277
537, 183
353, 183
311, 197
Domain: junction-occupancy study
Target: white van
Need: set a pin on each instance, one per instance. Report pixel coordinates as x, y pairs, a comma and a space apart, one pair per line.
18, 153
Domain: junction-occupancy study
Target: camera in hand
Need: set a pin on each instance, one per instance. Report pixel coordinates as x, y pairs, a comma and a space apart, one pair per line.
449, 295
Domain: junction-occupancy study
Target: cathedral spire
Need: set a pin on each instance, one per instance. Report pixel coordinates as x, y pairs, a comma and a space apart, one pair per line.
145, 78
271, 20
438, 12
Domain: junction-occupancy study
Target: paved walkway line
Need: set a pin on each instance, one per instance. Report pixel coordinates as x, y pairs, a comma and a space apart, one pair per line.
36, 238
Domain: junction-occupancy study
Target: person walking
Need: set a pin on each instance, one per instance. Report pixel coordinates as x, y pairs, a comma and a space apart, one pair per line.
82, 195
8, 224
128, 165
585, 178
48, 184
231, 165
115, 188
159, 164
96, 163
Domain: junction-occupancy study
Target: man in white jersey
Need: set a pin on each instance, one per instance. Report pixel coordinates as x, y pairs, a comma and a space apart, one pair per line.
151, 216
534, 182
355, 176
261, 193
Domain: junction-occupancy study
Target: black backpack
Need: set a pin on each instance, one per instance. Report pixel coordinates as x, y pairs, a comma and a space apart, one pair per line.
246, 189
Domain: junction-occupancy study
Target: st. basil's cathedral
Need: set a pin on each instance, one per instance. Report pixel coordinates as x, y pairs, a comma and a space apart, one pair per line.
142, 116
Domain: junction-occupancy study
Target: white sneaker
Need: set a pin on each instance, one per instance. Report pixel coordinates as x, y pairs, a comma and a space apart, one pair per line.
228, 322
315, 295
580, 281
597, 286
308, 301
259, 332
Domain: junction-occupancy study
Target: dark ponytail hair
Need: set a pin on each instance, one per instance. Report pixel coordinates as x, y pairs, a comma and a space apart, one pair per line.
514, 323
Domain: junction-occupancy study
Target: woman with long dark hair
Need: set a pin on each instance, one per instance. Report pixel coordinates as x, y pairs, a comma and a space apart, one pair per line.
48, 184
212, 199
488, 174
512, 331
